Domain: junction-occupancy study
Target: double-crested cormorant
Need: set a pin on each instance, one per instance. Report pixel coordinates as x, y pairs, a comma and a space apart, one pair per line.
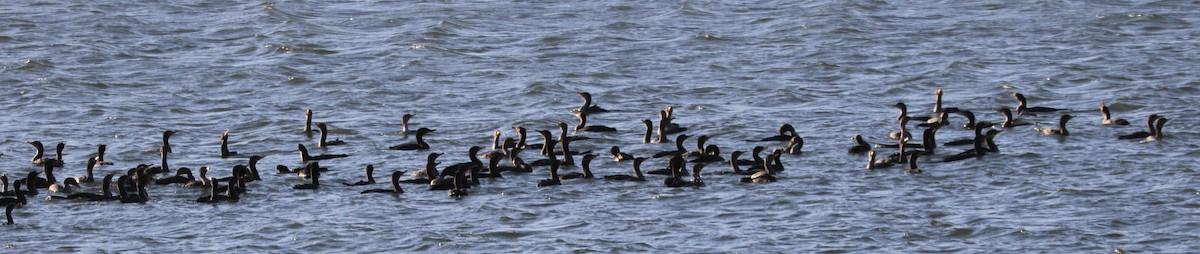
904, 113
970, 119
100, 155
860, 145
225, 153
553, 180
649, 129
87, 178
763, 176
585, 165
912, 164
395, 185
430, 171
587, 107
795, 146
315, 174
872, 164
1062, 127
1023, 106
304, 156
323, 142
903, 132
18, 198
582, 126
637, 171
786, 132
182, 176
404, 125
1108, 120
1158, 126
678, 147
712, 153
104, 195
1009, 120
1143, 134
419, 144
370, 177
166, 140
308, 121
124, 194
40, 151
231, 195
618, 155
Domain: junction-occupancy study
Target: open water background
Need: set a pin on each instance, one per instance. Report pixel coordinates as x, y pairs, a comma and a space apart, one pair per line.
119, 73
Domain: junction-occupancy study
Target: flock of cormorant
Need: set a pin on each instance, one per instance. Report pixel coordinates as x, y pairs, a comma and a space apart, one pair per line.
458, 178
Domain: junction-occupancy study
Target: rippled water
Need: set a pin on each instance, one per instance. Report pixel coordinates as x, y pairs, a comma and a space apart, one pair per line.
119, 73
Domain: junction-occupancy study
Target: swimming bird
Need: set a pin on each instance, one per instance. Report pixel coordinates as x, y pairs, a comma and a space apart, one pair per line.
1143, 134
1009, 120
125, 196
618, 155
712, 153
182, 176
970, 119
430, 172
100, 155
87, 178
58, 151
315, 175
472, 160
677, 181
977, 152
786, 132
497, 148
404, 125
105, 193
253, 168
460, 188
904, 113
225, 153
978, 133
395, 185
1108, 120
419, 144
1062, 127
553, 180
795, 146
1023, 106
762, 176
304, 156
872, 164
637, 171
587, 107
649, 129
584, 165
39, 152
19, 197
733, 163
370, 177
308, 114
678, 147
1158, 126
322, 142
582, 126
521, 137
912, 164
903, 132
214, 195
166, 140
163, 168
860, 145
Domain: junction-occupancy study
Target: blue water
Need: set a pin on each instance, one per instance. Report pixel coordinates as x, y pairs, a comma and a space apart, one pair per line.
120, 73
